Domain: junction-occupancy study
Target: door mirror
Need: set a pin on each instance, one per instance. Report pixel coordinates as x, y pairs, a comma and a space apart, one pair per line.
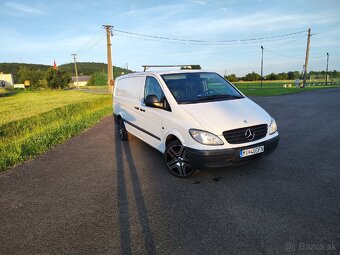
152, 101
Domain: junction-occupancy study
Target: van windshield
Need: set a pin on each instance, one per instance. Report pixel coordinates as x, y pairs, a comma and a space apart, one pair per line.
199, 87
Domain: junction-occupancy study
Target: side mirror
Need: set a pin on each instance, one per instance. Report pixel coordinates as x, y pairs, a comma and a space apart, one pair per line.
152, 101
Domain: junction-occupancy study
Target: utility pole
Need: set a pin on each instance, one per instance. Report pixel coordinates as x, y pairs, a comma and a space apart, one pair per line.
327, 68
262, 67
108, 29
75, 68
306, 59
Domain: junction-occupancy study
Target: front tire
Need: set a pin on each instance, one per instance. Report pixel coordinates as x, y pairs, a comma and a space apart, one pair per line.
177, 161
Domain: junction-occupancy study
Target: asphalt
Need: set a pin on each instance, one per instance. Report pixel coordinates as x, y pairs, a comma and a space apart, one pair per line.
97, 195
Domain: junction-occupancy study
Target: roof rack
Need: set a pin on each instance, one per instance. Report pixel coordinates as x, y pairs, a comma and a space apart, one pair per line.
148, 66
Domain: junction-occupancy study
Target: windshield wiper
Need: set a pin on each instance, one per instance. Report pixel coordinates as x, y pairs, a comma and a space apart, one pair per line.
218, 96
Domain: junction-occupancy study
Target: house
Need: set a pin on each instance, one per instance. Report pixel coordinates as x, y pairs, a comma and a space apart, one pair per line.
6, 80
82, 80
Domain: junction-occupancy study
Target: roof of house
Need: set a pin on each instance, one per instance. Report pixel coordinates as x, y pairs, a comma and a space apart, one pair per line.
81, 78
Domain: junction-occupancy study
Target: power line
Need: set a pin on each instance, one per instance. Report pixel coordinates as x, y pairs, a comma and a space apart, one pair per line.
317, 57
201, 41
279, 54
285, 44
191, 41
145, 39
205, 43
91, 46
91, 43
94, 37
286, 56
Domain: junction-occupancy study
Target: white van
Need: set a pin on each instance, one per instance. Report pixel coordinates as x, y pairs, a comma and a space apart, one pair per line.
197, 119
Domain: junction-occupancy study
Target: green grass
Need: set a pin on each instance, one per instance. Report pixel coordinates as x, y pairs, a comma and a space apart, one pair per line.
33, 122
275, 88
5, 92
280, 83
268, 88
29, 103
266, 84
94, 87
279, 91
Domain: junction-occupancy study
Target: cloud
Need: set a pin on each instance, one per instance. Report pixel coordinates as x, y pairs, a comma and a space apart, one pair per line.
181, 21
45, 49
212, 4
164, 10
16, 9
200, 2
257, 22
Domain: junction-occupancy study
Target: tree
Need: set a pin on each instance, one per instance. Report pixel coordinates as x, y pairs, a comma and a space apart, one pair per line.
193, 67
282, 76
231, 77
57, 79
98, 79
35, 77
335, 74
252, 77
271, 77
293, 75
13, 68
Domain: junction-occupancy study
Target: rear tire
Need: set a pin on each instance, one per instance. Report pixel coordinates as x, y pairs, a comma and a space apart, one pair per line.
177, 161
122, 132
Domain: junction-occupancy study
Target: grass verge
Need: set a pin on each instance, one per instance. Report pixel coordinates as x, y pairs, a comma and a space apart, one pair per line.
23, 138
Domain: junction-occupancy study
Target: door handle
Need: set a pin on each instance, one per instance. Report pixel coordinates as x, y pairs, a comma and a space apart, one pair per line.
136, 107
142, 110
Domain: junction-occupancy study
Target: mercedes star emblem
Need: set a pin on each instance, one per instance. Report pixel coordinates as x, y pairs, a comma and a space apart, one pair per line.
249, 134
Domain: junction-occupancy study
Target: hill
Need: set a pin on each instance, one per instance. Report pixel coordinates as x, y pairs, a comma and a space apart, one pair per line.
84, 68
88, 68
13, 68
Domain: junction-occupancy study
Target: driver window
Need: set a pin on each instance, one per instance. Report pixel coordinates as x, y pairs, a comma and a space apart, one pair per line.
152, 87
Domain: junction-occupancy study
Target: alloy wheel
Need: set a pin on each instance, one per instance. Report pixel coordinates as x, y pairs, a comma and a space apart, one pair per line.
177, 160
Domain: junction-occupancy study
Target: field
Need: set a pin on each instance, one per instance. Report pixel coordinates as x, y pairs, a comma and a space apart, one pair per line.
32, 122
273, 88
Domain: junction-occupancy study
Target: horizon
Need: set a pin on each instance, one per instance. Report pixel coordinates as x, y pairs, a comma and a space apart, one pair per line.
39, 33
122, 67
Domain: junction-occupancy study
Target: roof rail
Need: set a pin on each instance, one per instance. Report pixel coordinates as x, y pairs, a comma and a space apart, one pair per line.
148, 66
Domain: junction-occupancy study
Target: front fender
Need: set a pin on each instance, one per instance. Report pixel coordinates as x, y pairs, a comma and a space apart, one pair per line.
174, 133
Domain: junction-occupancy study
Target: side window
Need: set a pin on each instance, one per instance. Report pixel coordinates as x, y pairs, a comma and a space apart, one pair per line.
152, 87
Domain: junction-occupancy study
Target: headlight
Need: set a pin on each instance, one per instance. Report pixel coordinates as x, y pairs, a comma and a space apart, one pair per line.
205, 137
272, 127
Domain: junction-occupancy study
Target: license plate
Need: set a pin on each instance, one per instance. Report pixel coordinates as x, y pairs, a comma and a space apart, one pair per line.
251, 151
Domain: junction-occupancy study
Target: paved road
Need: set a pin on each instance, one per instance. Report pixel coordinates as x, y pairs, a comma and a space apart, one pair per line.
95, 90
96, 195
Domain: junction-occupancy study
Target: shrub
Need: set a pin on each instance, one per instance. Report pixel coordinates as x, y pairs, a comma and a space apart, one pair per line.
98, 79
57, 79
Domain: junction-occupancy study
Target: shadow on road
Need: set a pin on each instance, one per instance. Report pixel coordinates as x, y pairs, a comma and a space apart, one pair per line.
124, 155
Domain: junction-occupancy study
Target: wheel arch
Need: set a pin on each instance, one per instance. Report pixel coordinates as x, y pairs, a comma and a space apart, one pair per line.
172, 136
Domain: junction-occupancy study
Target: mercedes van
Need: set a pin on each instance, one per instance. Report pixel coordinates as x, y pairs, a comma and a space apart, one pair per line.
197, 119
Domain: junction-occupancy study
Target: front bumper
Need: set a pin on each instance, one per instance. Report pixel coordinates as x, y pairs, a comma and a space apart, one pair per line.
206, 159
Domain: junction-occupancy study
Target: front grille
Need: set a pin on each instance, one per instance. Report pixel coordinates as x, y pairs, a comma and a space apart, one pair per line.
236, 136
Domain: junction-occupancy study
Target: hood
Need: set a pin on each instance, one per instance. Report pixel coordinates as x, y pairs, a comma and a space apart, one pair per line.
220, 116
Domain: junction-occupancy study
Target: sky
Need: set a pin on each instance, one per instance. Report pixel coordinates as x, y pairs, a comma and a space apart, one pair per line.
39, 32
